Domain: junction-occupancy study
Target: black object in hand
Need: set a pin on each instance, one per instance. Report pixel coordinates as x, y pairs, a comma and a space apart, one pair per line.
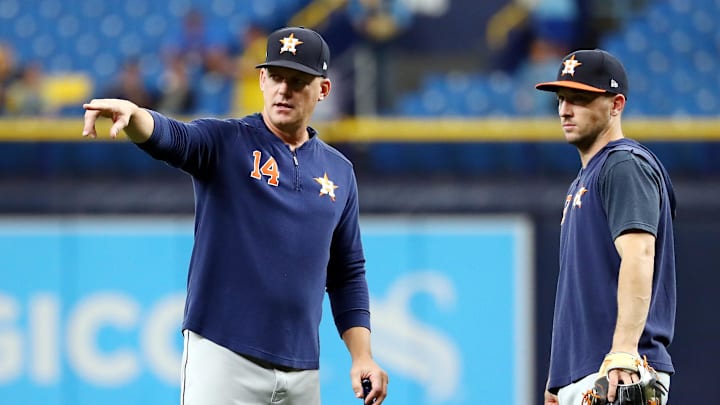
366, 386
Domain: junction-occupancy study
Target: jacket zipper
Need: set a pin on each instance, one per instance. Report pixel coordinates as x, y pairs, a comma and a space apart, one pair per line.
297, 171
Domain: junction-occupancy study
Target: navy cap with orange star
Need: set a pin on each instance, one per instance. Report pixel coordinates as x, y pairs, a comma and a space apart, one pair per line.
593, 70
297, 48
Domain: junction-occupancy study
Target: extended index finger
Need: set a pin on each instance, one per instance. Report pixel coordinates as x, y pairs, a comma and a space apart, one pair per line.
99, 104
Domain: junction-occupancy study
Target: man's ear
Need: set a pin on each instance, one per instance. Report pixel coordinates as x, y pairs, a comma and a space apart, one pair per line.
263, 77
618, 104
325, 87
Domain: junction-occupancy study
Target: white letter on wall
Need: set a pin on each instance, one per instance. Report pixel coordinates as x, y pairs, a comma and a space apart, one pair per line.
10, 340
162, 327
90, 315
44, 330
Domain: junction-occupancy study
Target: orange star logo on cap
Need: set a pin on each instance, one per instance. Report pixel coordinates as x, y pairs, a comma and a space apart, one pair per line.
570, 65
289, 44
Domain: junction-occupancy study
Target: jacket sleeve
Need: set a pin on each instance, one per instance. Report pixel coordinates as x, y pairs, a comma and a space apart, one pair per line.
194, 147
346, 284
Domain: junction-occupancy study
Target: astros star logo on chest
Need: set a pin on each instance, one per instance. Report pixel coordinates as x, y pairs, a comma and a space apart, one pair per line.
327, 186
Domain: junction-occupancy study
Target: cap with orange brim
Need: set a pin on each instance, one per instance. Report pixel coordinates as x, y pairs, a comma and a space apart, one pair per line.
590, 70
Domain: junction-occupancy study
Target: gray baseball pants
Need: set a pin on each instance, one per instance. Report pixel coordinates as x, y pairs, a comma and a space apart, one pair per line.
214, 375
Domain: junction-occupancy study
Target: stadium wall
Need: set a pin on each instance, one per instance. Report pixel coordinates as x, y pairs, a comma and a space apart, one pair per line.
52, 171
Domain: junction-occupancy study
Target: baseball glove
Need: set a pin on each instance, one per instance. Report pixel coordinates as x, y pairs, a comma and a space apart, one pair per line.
647, 391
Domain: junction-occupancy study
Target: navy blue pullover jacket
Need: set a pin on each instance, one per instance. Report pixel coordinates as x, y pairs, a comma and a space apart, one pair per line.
274, 230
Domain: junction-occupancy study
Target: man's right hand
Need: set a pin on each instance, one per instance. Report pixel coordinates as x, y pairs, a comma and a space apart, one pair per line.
125, 115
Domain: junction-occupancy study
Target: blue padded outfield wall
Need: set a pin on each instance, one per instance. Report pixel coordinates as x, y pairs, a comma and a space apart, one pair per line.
90, 310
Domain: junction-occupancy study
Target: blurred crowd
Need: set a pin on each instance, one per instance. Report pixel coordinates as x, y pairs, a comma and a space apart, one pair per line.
543, 31
201, 72
20, 86
198, 73
204, 69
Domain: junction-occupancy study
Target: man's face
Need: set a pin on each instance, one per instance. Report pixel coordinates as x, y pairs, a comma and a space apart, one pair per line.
583, 115
290, 96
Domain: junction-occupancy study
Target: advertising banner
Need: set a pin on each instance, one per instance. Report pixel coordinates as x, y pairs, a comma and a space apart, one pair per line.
90, 310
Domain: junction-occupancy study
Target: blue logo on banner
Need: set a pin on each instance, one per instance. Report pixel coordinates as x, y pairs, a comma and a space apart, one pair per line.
450, 308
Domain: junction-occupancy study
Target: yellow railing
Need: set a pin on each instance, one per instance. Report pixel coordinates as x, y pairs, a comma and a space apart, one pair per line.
403, 130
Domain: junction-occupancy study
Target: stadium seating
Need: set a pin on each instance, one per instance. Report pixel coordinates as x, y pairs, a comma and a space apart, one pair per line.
670, 51
95, 38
